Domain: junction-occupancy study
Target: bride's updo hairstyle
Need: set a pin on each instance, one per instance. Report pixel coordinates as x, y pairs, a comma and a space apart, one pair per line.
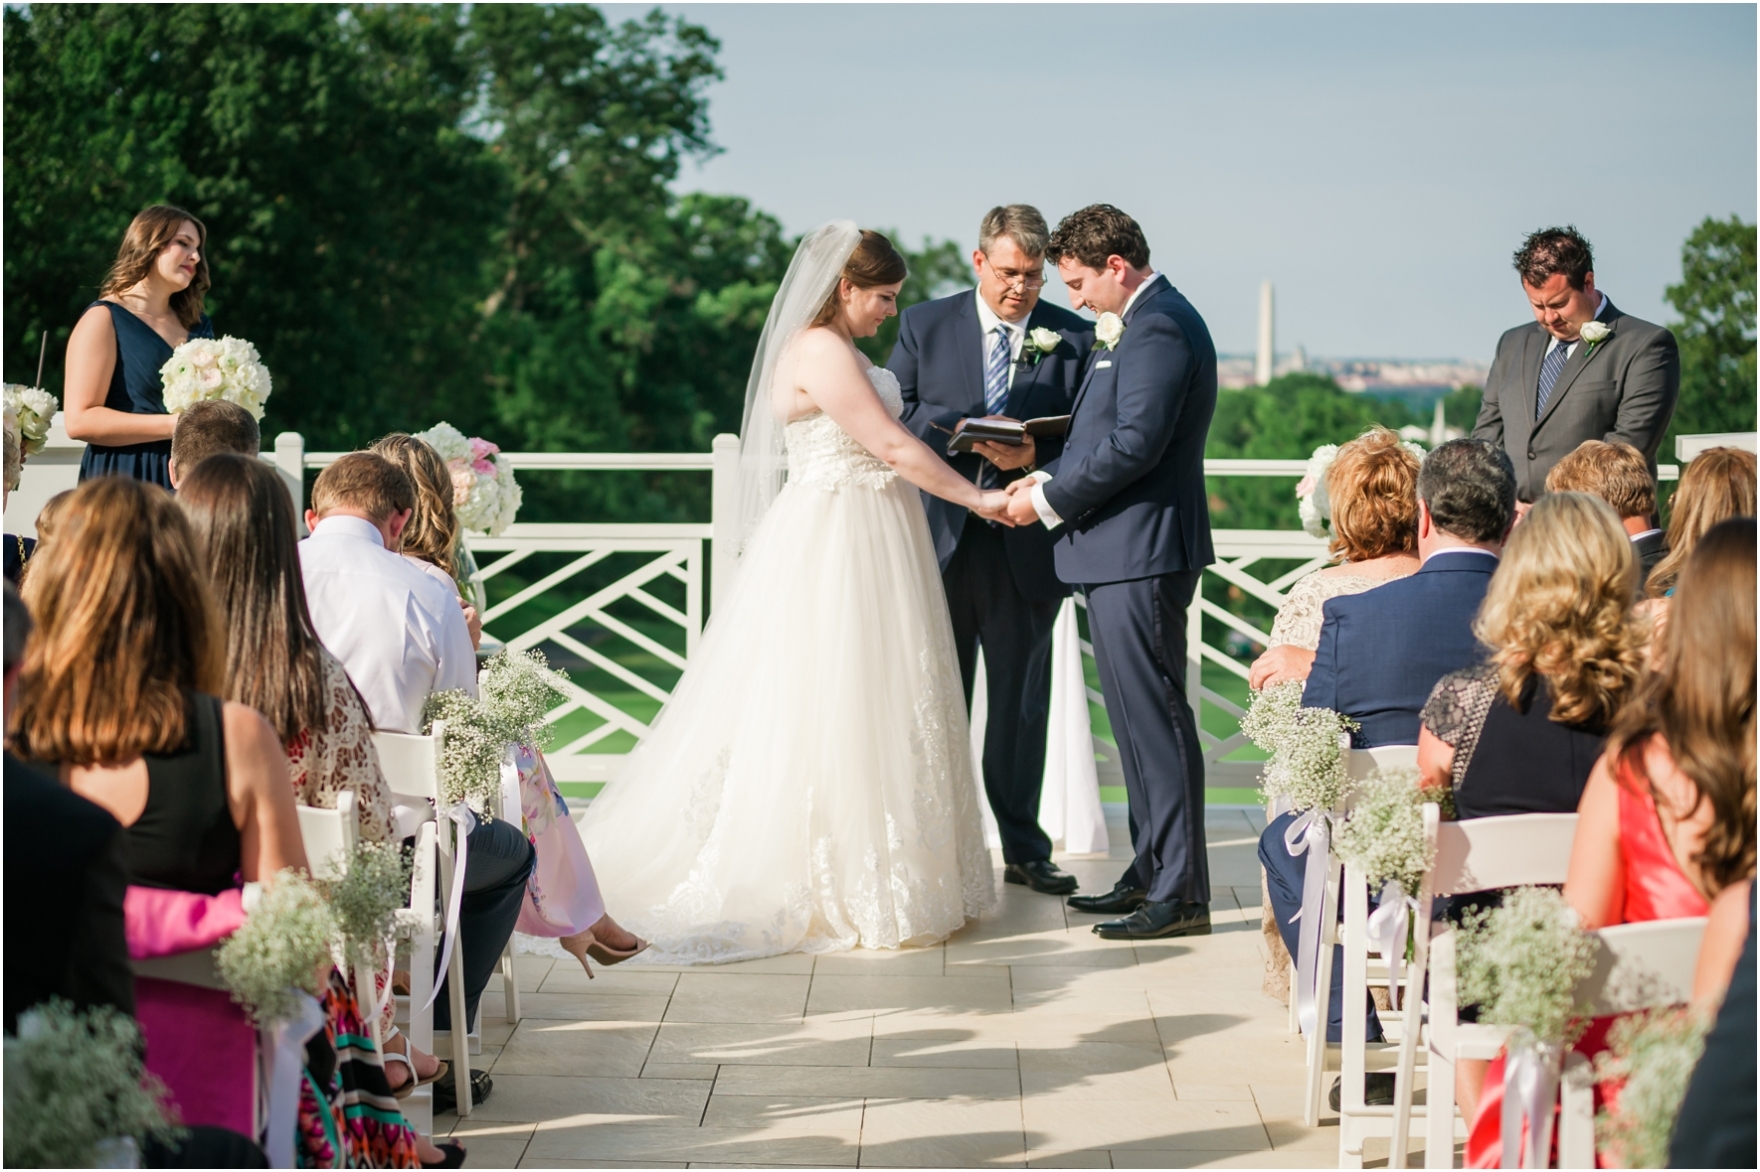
874, 263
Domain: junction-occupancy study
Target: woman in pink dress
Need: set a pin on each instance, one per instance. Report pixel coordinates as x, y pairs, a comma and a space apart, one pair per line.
1667, 819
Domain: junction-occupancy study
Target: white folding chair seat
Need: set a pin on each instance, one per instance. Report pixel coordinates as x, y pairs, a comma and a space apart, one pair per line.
330, 837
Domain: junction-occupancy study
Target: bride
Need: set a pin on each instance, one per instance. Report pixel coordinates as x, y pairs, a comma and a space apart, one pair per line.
809, 788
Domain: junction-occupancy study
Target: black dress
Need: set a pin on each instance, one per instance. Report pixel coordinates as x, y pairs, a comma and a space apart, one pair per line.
135, 388
185, 838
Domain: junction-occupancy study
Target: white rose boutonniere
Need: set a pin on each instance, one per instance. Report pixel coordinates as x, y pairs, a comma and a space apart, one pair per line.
1107, 331
1040, 342
1595, 333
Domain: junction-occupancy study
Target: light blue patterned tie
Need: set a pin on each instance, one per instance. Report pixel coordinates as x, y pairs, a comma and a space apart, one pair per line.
1549, 370
996, 373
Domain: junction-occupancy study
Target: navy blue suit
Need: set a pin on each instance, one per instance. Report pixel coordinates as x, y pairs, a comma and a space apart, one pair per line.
1136, 536
1003, 591
1380, 654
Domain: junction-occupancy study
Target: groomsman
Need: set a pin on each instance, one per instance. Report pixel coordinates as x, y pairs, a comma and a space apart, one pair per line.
1126, 500
999, 351
1581, 370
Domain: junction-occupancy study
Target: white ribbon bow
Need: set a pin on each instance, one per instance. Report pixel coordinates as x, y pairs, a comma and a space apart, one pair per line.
1530, 1088
1388, 928
466, 820
1311, 833
284, 1056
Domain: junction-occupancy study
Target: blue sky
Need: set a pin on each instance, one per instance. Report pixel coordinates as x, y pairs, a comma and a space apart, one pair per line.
1378, 162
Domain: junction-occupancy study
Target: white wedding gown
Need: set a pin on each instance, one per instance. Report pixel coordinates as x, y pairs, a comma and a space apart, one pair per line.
809, 786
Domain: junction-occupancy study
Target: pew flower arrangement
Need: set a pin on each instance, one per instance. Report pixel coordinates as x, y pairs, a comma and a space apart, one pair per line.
365, 898
517, 687
1383, 839
1654, 1053
77, 1092
282, 949
216, 368
515, 696
1307, 764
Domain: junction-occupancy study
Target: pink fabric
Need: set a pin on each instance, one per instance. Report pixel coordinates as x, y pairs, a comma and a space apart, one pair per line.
562, 896
204, 1049
162, 922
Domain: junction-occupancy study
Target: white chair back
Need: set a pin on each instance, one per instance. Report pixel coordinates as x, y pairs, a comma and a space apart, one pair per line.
411, 764
330, 837
1511, 850
1360, 763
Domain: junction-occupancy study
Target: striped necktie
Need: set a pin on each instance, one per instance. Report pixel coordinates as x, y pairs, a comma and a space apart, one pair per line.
996, 372
1550, 367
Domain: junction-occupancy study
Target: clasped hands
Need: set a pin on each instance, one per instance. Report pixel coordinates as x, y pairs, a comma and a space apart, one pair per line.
1010, 505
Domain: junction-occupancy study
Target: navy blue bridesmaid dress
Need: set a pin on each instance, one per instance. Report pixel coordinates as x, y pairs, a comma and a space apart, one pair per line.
135, 388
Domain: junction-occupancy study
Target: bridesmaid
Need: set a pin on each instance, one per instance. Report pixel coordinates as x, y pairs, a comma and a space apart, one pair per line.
150, 303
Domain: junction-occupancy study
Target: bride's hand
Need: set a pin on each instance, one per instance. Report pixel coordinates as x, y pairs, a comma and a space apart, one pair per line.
993, 506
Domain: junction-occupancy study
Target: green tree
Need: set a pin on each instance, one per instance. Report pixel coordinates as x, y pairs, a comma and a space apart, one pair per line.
1715, 299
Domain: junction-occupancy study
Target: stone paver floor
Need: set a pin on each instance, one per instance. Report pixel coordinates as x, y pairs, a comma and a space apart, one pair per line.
1024, 1040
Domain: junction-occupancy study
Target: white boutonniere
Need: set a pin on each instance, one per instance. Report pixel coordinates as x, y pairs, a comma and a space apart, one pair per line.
1108, 330
1595, 333
1040, 342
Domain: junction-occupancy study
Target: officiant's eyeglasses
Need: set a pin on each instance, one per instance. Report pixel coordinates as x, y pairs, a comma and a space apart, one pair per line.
1025, 280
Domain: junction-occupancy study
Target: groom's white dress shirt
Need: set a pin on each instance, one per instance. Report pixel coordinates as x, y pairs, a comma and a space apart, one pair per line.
399, 633
987, 323
1047, 515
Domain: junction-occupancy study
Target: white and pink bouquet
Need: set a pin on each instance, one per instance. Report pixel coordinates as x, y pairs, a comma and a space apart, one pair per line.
216, 368
484, 492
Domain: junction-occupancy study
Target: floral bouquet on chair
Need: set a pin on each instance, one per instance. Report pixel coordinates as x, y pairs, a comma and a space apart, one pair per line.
216, 368
29, 411
484, 493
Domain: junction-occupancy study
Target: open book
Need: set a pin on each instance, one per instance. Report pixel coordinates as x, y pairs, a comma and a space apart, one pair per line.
999, 429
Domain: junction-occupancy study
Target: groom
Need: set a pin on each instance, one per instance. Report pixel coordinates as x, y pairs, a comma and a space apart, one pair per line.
1126, 500
998, 351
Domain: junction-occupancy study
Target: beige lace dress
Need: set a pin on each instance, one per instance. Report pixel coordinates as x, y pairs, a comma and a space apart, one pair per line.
322, 764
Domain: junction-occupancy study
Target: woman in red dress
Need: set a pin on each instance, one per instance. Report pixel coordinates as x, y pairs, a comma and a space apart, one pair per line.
1667, 819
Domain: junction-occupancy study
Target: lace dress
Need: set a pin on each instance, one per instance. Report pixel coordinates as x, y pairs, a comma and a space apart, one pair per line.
322, 764
809, 786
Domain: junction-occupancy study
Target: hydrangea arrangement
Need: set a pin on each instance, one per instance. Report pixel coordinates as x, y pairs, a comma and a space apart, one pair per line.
216, 368
517, 688
1655, 1054
1521, 963
77, 1093
1307, 762
283, 948
484, 493
365, 899
1383, 839
30, 410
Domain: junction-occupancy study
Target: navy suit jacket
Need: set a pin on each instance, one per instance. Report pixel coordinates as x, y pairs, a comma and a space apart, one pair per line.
1382, 651
939, 361
1130, 483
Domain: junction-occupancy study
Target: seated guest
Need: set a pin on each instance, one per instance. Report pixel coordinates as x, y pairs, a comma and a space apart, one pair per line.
1373, 487
1382, 651
208, 428
1715, 1128
401, 636
1519, 733
1717, 485
430, 540
1667, 819
1618, 474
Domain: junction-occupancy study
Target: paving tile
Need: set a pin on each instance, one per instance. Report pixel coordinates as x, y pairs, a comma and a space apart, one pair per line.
942, 1133
793, 963
1067, 948
679, 1070
1040, 1028
531, 1163
821, 1042
739, 997
1088, 1158
530, 1098
1146, 1158
868, 1082
652, 1144
1201, 1092
602, 1049
491, 1145
1103, 1070
810, 1111
1059, 1120
880, 994
615, 982
873, 962
931, 1052
592, 1007
530, 971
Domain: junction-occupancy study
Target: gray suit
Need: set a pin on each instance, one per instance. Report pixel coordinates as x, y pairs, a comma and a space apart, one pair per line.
1625, 390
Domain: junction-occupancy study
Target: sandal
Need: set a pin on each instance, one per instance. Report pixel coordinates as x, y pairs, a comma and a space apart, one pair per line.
416, 1081
446, 1093
454, 1157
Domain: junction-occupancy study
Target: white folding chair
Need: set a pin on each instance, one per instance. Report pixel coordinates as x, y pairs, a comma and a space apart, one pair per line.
1322, 1056
411, 766
1638, 967
1479, 854
330, 837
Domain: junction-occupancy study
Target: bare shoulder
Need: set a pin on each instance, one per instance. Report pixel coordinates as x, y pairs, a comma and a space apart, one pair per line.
247, 728
94, 323
821, 344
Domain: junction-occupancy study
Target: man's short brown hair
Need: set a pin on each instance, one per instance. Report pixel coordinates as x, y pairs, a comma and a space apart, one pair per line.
1096, 232
1615, 472
1020, 222
366, 482
1550, 251
208, 428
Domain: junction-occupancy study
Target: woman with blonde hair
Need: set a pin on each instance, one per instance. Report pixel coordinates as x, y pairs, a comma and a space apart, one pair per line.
1717, 485
1373, 487
149, 304
431, 539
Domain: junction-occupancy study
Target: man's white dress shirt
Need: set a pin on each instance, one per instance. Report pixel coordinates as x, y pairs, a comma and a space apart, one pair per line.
1047, 515
987, 323
399, 633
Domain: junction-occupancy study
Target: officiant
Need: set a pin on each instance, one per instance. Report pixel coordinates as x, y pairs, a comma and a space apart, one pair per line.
999, 351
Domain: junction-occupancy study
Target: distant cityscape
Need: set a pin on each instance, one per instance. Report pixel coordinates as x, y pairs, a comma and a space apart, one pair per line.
1384, 375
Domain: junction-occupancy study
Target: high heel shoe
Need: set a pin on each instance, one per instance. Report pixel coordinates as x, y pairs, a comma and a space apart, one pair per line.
608, 956
578, 946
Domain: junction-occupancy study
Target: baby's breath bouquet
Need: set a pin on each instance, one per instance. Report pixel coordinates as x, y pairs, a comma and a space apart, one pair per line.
1307, 764
77, 1091
1655, 1054
365, 899
471, 754
283, 948
1520, 963
32, 409
216, 368
517, 688
1383, 839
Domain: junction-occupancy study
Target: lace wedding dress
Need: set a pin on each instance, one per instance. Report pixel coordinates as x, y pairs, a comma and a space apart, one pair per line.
809, 786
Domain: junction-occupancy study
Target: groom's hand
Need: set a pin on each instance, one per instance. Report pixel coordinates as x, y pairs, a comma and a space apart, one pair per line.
1008, 457
1020, 502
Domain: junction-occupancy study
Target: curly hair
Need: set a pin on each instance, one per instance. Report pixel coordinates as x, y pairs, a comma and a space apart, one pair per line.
1560, 606
1373, 485
148, 234
1701, 699
432, 532
1717, 485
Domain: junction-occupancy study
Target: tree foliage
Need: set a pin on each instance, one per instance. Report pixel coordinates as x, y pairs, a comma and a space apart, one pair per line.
1715, 299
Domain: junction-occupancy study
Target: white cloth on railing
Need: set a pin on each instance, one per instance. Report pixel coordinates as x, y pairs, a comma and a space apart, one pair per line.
1069, 797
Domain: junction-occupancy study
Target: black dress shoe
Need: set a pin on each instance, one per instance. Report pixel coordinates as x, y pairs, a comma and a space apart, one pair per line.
446, 1091
1121, 900
1377, 1090
1152, 921
1041, 875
